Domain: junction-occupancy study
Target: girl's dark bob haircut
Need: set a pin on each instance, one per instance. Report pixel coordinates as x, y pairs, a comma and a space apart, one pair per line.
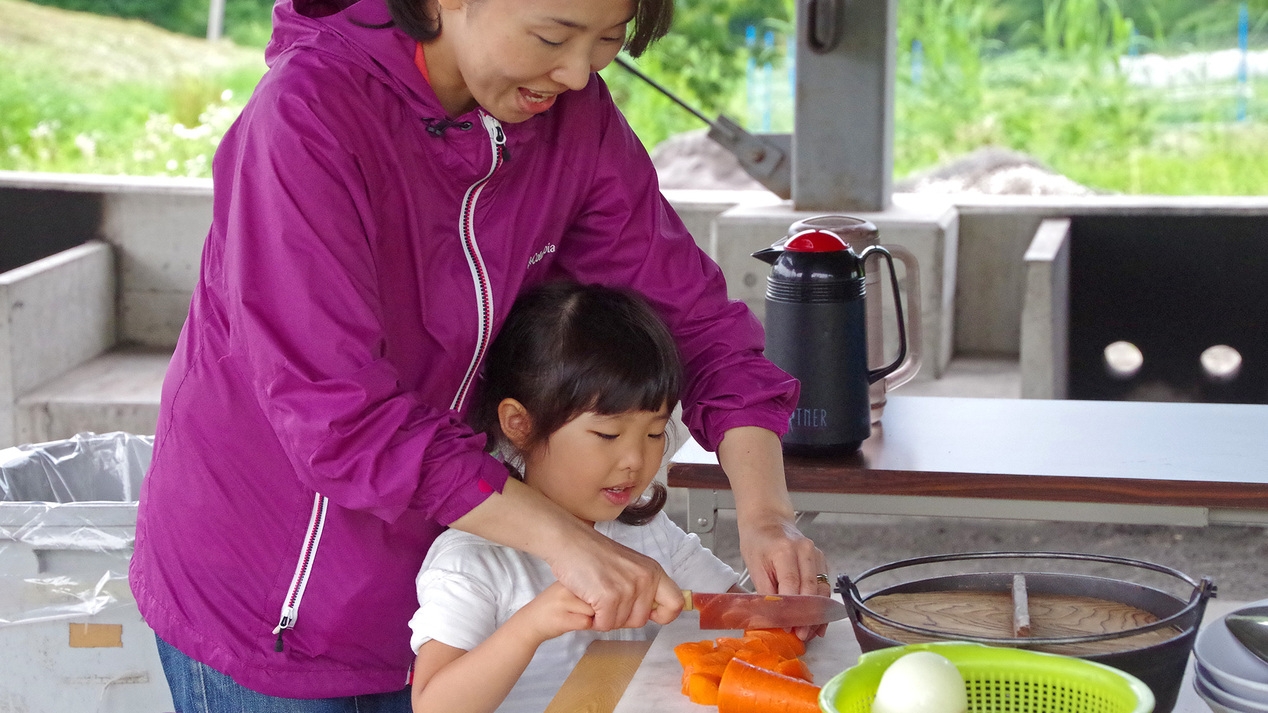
568, 349
420, 19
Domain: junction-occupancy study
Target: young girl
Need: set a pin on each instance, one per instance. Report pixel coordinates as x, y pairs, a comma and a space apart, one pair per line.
578, 391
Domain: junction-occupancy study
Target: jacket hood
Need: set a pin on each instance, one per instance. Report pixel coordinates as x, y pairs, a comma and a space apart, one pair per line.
361, 33
356, 31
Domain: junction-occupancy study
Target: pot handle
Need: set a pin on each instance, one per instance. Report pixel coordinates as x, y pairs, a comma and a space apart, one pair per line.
906, 371
875, 375
849, 595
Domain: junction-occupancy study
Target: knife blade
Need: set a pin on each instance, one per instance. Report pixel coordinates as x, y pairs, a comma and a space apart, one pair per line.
732, 610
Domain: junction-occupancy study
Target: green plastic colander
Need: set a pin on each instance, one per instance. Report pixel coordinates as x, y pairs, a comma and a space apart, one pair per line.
1001, 680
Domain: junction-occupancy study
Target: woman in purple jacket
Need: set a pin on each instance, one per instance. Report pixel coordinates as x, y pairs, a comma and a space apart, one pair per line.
402, 172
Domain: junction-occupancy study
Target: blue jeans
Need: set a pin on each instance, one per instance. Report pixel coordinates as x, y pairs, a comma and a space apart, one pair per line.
198, 688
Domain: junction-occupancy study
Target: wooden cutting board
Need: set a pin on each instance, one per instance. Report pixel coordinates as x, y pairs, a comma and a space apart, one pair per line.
657, 684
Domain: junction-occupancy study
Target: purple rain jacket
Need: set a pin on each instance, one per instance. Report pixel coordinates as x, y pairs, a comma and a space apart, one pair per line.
310, 442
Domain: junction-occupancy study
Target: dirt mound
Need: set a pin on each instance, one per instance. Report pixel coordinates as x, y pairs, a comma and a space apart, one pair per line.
693, 160
993, 171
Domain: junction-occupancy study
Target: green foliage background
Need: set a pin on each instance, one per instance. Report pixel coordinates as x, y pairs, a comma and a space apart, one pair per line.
1037, 76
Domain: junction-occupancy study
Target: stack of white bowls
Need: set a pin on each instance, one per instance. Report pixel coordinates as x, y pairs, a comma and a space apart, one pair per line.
1228, 676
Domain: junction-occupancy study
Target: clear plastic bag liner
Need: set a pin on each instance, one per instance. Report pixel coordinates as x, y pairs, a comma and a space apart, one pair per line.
67, 525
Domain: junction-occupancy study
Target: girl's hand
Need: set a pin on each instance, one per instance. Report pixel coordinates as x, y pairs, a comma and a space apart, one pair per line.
554, 612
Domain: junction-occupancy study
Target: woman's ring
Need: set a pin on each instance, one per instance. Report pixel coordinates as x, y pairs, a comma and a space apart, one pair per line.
821, 578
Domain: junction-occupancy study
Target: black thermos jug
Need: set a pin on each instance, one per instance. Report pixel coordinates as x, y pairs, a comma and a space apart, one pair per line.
816, 330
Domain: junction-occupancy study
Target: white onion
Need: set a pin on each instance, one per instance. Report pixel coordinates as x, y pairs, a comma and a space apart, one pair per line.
921, 682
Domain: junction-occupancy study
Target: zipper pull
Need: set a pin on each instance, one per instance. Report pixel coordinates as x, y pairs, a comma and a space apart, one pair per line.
494, 127
287, 622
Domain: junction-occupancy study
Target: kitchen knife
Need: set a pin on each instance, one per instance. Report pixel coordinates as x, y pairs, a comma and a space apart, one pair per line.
730, 610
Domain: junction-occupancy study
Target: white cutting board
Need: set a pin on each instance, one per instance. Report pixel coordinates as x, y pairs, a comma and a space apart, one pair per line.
657, 684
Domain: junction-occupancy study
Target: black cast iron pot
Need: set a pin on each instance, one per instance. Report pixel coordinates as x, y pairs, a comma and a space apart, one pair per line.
1160, 664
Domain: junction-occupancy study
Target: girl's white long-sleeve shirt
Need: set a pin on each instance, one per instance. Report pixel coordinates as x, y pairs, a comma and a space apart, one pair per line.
468, 587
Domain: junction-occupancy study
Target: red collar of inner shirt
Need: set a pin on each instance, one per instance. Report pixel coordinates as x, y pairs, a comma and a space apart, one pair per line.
420, 61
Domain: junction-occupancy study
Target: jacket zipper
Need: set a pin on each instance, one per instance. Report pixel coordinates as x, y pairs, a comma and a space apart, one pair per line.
484, 311
479, 273
294, 593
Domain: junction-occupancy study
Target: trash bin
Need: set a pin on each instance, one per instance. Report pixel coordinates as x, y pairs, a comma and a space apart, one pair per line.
71, 638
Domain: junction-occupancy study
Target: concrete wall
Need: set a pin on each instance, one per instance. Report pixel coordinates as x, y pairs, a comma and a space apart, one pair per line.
971, 251
156, 226
995, 232
58, 312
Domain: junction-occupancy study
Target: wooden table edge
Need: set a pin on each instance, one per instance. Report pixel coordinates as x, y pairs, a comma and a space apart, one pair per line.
832, 478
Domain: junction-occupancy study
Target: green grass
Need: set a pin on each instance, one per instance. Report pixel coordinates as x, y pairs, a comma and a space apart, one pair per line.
1063, 99
90, 94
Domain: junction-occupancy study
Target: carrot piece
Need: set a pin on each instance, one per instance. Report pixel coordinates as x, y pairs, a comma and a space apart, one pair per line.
795, 668
765, 658
713, 664
729, 642
746, 688
782, 642
689, 651
756, 646
702, 688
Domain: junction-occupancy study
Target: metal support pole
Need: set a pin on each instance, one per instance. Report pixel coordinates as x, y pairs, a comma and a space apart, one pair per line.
215, 20
842, 143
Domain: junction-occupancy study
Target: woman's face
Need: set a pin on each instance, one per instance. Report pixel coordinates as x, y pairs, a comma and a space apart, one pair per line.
514, 57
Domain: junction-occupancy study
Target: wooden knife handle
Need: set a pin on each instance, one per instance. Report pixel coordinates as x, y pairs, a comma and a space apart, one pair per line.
686, 595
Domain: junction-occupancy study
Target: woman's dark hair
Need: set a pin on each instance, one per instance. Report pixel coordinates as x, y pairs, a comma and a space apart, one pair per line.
420, 19
567, 349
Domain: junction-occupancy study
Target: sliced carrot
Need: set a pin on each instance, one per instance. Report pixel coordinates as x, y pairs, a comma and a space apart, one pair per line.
702, 688
753, 645
692, 650
713, 664
763, 657
783, 642
795, 668
746, 688
729, 642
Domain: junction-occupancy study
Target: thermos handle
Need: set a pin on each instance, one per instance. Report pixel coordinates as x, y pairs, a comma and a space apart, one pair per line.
875, 375
907, 370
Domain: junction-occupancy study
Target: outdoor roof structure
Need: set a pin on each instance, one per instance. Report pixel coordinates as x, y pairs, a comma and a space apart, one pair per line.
843, 126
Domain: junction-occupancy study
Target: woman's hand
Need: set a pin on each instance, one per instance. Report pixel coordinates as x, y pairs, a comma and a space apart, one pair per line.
780, 559
624, 588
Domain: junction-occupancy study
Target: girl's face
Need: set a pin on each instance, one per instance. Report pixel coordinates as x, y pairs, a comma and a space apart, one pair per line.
514, 57
594, 466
